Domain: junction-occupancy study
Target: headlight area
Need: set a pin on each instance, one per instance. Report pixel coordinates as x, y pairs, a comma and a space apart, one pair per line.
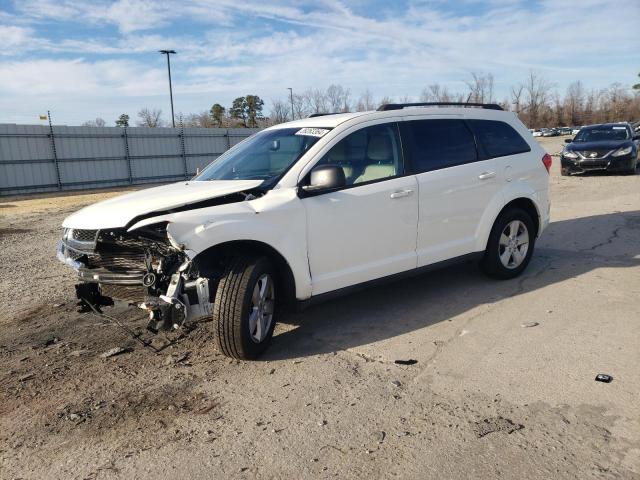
621, 152
144, 268
569, 154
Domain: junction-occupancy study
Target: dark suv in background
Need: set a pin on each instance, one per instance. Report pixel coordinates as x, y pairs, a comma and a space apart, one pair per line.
609, 146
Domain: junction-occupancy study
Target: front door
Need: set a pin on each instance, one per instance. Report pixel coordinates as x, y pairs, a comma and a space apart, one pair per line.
366, 230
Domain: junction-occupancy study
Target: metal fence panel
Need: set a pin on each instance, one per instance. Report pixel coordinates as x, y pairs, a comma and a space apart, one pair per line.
34, 158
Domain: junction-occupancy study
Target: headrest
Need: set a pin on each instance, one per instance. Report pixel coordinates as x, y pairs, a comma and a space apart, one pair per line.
379, 148
339, 152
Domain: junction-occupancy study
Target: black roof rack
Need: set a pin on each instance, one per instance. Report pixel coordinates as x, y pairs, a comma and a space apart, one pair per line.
400, 106
322, 114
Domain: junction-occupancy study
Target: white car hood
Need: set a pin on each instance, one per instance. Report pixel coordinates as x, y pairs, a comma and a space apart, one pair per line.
118, 211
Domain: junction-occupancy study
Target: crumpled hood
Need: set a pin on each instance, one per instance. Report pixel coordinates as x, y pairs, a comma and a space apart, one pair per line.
118, 211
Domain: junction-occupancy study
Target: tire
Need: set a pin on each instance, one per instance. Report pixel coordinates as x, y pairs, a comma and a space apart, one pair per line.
491, 263
237, 313
564, 172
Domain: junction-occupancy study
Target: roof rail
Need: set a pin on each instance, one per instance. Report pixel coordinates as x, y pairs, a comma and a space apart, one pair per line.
322, 114
400, 106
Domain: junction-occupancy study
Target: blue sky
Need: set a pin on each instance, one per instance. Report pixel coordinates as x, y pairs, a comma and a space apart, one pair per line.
85, 59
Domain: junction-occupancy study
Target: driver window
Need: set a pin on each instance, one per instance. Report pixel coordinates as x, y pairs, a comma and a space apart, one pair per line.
369, 154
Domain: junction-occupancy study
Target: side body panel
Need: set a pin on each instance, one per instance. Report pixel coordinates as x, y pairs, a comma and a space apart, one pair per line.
277, 219
361, 233
453, 206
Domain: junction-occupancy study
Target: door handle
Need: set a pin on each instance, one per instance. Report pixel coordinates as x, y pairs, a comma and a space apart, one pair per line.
486, 175
401, 193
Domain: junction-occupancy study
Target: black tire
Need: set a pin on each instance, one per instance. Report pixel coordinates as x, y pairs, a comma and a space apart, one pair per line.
491, 263
564, 172
233, 305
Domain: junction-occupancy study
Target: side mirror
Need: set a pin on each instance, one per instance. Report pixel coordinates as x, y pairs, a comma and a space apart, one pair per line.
325, 177
568, 140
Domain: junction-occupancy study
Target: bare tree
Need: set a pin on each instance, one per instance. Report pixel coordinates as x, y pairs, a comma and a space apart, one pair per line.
558, 110
317, 101
150, 118
574, 103
436, 93
480, 88
300, 106
338, 98
537, 98
98, 122
516, 97
385, 101
280, 111
201, 120
366, 102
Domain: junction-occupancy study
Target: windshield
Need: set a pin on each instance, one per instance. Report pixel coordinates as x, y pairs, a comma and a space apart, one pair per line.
264, 156
601, 134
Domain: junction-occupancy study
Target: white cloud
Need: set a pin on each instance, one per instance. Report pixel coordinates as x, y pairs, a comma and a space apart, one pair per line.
265, 47
14, 38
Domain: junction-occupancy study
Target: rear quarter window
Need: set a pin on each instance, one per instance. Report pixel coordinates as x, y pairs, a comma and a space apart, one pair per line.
435, 144
497, 139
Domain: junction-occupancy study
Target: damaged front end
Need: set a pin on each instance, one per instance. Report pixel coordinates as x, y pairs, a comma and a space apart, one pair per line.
144, 268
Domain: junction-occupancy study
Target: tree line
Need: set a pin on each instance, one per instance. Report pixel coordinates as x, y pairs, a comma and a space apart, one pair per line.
536, 100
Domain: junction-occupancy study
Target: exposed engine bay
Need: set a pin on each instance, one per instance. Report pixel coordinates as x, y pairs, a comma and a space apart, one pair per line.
145, 268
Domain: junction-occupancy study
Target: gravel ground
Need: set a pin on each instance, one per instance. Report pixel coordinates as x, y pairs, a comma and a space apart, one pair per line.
503, 385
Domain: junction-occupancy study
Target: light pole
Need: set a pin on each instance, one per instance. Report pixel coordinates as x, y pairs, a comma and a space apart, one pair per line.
291, 95
167, 53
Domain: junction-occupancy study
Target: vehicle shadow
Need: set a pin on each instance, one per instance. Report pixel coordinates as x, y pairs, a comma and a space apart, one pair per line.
568, 248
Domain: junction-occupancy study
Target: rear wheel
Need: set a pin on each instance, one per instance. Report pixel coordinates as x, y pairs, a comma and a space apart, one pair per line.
244, 307
510, 244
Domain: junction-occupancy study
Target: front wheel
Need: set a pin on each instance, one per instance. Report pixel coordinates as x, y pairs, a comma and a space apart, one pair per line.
244, 307
510, 244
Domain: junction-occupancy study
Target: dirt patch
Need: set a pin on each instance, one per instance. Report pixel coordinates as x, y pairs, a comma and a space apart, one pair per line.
496, 424
13, 231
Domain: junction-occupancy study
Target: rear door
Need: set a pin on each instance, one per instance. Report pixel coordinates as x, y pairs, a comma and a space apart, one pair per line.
455, 186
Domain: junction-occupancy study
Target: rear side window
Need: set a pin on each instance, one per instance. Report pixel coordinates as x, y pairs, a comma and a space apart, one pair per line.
435, 144
497, 139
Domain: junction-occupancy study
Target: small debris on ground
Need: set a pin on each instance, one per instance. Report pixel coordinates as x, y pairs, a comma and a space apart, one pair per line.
322, 423
50, 341
379, 436
529, 324
496, 424
176, 358
396, 383
116, 351
410, 361
603, 377
26, 377
78, 353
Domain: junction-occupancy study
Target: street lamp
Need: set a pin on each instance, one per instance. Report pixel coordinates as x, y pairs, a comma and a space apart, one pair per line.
291, 94
167, 53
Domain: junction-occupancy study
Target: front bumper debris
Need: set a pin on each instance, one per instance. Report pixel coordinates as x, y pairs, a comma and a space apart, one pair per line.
165, 288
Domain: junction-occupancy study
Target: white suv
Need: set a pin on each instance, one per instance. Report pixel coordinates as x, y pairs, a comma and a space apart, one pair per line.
314, 207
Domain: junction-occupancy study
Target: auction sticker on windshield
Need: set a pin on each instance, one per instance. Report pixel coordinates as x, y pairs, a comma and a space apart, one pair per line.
312, 132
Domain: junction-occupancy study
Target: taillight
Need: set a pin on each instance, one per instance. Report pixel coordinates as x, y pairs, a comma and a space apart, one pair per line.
547, 161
